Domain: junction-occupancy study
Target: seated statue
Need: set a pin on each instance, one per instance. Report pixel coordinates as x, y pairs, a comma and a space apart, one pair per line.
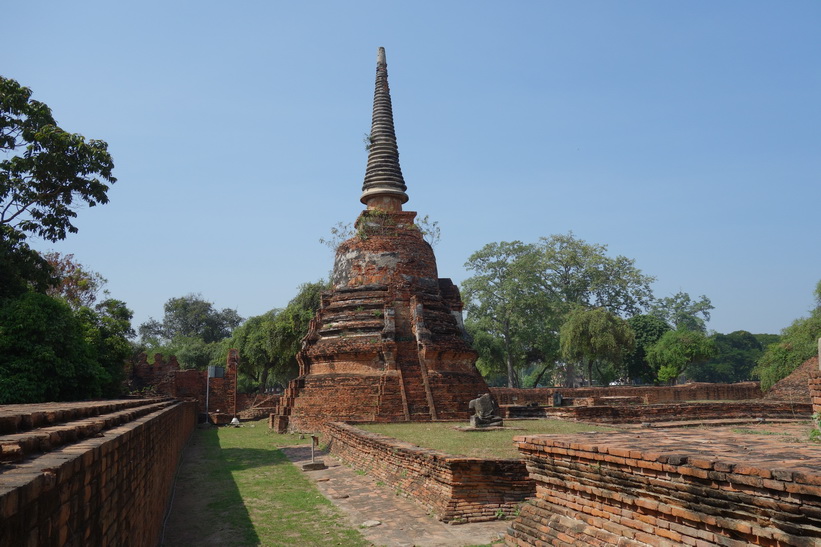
484, 412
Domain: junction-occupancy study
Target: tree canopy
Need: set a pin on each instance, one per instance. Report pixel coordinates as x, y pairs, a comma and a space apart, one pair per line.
682, 312
595, 337
193, 317
575, 272
647, 329
733, 361
798, 343
676, 350
268, 343
521, 294
508, 317
47, 170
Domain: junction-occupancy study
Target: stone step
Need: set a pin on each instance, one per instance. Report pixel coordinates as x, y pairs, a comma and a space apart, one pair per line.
14, 420
16, 447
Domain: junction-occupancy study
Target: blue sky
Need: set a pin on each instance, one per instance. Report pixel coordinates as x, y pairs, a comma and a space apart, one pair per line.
685, 135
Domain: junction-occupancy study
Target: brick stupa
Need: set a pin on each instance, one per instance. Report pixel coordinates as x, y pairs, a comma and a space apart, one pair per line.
388, 343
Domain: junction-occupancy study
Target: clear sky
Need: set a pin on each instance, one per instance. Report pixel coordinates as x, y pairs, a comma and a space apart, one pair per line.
685, 135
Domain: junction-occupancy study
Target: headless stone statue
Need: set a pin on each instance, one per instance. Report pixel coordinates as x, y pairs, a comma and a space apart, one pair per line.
484, 412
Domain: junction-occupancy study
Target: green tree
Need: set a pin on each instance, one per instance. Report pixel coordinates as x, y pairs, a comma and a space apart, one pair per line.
193, 317
44, 354
676, 350
798, 343
21, 268
507, 315
683, 312
520, 293
108, 330
595, 337
77, 285
192, 329
268, 343
647, 329
574, 272
47, 170
735, 356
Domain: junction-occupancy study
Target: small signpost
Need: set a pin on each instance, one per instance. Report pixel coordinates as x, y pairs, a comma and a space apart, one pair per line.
314, 465
213, 372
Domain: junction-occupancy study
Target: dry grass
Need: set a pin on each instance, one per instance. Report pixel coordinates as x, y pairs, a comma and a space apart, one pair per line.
490, 443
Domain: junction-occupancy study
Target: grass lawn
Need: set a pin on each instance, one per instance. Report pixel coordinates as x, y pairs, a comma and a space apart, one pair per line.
235, 488
490, 443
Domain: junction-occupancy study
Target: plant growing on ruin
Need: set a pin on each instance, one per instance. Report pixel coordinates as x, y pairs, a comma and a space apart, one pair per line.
368, 140
815, 434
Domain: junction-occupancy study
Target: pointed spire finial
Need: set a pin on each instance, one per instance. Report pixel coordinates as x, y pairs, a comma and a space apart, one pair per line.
384, 186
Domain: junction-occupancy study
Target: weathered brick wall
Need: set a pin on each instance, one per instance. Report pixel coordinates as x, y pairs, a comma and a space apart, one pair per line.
669, 489
256, 406
454, 488
633, 414
111, 489
650, 394
815, 391
167, 379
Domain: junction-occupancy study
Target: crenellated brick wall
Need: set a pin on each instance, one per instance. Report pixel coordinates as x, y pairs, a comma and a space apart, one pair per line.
669, 489
167, 379
454, 488
97, 483
649, 394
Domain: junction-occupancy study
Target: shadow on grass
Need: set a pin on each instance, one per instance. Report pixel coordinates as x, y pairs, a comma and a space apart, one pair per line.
208, 508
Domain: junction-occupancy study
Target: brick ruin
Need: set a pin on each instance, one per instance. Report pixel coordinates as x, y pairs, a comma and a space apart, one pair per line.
165, 378
89, 473
388, 343
666, 489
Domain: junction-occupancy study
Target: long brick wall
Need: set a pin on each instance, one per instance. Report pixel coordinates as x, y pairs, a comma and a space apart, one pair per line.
649, 394
454, 488
634, 414
669, 489
95, 476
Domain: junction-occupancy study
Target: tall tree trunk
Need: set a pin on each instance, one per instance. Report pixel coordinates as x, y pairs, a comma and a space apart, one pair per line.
264, 378
539, 377
512, 377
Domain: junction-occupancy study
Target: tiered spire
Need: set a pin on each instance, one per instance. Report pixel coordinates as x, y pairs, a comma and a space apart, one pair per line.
384, 186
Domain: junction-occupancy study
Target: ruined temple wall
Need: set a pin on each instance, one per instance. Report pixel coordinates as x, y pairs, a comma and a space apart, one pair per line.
669, 489
650, 394
815, 391
104, 490
454, 488
634, 414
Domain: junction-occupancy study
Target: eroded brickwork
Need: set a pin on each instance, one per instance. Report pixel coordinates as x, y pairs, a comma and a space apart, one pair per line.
166, 378
815, 391
649, 394
99, 475
387, 343
634, 414
670, 489
454, 488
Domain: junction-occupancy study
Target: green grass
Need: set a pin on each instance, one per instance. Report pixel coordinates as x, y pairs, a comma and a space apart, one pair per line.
485, 444
236, 488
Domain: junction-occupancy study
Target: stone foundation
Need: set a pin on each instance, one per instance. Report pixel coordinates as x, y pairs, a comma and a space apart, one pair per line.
454, 488
635, 414
89, 473
648, 394
664, 488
